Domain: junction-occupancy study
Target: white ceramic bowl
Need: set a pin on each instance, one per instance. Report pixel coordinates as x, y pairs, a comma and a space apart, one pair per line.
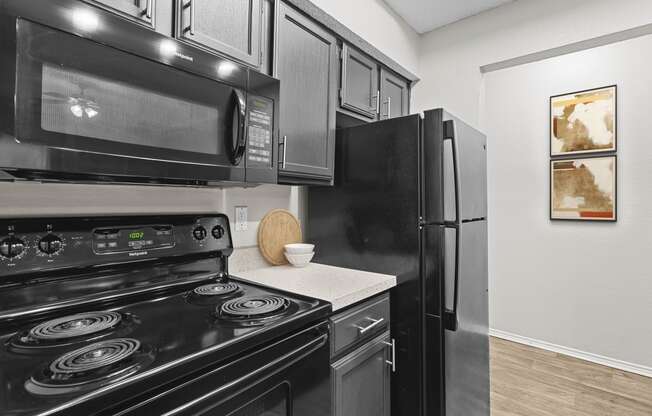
299, 248
299, 260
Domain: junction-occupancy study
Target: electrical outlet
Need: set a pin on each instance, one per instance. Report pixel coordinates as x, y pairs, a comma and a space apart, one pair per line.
241, 218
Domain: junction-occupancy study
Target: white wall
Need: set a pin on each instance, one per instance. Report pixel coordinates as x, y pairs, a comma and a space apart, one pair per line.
586, 286
450, 57
580, 286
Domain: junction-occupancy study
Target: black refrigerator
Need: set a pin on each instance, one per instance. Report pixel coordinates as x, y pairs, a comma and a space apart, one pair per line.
410, 199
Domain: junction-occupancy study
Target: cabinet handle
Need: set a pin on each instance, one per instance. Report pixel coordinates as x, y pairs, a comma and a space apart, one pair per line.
148, 9
191, 5
377, 102
285, 151
373, 101
389, 107
344, 53
374, 323
393, 361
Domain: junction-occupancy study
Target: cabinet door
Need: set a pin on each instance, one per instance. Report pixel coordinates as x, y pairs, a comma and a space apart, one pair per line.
141, 11
230, 27
361, 381
306, 65
394, 95
359, 83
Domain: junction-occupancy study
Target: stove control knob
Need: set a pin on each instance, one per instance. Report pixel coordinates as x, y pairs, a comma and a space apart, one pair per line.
199, 233
217, 232
50, 244
12, 247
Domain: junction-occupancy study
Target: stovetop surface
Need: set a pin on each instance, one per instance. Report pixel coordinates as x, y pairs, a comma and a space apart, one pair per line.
175, 330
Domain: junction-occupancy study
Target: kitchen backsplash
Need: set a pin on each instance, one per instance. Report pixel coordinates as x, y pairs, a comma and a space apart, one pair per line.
33, 199
261, 200
246, 258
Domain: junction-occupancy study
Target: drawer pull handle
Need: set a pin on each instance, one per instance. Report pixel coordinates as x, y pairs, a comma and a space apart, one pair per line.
374, 323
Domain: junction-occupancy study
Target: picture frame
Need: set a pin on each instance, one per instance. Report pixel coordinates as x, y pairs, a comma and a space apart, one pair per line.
584, 122
584, 188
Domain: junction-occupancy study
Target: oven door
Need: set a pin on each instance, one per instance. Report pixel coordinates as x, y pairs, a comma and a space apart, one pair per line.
84, 108
288, 378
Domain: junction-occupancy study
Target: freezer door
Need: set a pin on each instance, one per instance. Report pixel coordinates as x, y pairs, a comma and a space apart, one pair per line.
454, 169
466, 340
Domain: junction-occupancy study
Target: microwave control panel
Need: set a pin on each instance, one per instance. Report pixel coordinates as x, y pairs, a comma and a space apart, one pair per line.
260, 126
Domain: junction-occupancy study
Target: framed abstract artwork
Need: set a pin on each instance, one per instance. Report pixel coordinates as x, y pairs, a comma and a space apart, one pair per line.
583, 122
583, 189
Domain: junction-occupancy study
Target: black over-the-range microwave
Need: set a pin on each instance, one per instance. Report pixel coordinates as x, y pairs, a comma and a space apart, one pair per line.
88, 96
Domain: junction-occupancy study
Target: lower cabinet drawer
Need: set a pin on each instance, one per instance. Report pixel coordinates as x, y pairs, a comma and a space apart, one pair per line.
362, 380
360, 323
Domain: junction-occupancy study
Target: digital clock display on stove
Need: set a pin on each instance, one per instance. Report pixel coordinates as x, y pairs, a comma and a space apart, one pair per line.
136, 235
119, 240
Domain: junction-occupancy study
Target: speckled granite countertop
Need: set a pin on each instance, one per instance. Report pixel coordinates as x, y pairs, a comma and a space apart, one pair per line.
341, 287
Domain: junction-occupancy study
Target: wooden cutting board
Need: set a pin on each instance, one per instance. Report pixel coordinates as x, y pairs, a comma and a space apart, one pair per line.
278, 228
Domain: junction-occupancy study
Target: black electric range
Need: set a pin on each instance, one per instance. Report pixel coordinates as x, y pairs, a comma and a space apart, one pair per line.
138, 315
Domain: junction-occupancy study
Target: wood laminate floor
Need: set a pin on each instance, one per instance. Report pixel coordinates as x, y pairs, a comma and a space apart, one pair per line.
527, 381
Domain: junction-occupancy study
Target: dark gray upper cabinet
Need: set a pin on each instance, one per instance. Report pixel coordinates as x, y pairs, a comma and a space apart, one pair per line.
141, 11
359, 83
368, 91
230, 27
394, 95
361, 381
306, 64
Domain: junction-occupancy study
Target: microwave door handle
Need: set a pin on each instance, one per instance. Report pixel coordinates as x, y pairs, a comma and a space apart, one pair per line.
239, 139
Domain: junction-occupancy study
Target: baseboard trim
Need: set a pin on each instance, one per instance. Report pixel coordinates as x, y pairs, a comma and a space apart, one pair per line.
582, 355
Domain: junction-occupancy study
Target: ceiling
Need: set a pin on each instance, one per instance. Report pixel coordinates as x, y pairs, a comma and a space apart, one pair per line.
426, 15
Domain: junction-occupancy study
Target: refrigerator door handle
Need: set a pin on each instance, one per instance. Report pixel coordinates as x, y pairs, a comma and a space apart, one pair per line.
449, 134
450, 320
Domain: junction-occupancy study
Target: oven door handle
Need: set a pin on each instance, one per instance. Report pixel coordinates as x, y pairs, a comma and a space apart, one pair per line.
239, 139
283, 361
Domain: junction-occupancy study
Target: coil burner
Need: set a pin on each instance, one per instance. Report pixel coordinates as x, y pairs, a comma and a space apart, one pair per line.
254, 310
213, 293
90, 367
217, 289
70, 329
